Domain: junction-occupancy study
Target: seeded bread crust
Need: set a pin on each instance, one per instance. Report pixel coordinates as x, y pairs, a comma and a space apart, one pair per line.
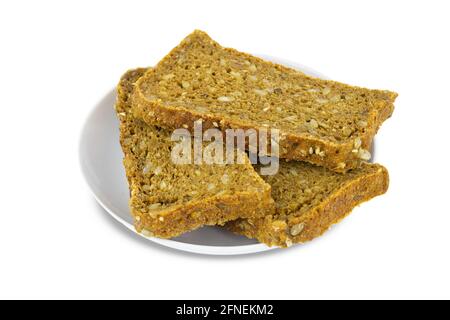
172, 219
297, 222
172, 96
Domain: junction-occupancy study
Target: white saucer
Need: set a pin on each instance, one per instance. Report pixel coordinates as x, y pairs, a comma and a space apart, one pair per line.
101, 163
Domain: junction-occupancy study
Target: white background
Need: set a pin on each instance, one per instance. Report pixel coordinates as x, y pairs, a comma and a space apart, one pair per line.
59, 58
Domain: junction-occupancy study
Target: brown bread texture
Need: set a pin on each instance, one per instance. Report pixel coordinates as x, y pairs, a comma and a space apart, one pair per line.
322, 122
309, 200
166, 199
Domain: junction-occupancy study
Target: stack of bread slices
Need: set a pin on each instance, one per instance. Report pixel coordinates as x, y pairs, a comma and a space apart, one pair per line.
325, 130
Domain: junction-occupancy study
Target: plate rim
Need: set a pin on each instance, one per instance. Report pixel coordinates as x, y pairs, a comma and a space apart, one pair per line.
182, 246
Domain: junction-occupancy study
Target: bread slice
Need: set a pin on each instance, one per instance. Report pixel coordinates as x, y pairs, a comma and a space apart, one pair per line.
322, 122
169, 199
309, 199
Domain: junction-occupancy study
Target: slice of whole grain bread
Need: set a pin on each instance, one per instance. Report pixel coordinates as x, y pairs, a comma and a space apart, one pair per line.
309, 200
168, 199
323, 122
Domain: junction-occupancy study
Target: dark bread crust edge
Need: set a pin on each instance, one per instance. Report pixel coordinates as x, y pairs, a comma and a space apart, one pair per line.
211, 211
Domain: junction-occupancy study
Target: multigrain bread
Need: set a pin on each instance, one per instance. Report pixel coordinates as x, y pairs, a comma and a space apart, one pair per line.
309, 199
167, 199
322, 122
